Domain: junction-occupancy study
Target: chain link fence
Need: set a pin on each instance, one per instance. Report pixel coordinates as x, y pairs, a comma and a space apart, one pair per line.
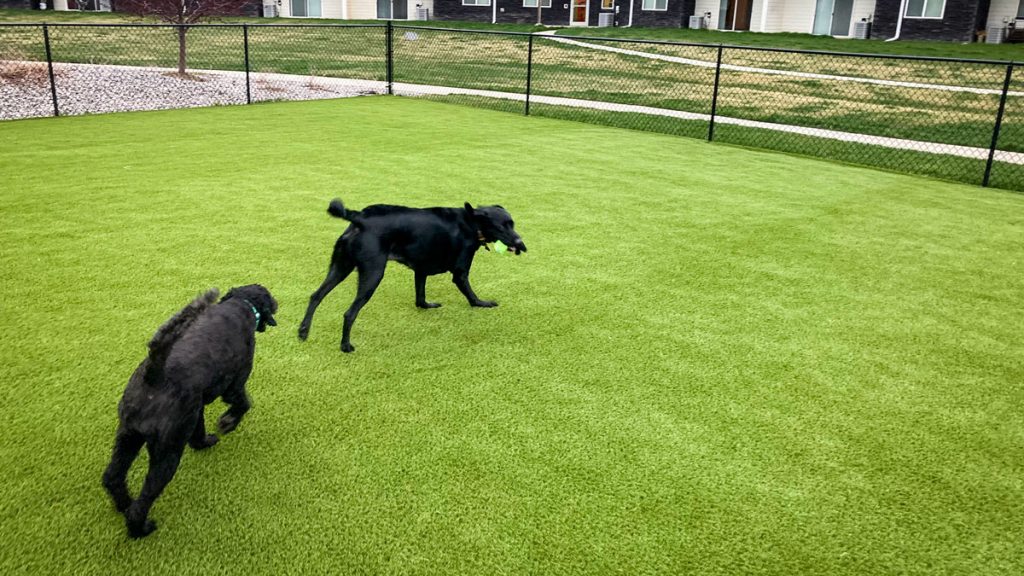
960, 120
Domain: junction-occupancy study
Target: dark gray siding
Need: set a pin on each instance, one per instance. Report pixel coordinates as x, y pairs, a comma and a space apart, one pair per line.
959, 22
677, 15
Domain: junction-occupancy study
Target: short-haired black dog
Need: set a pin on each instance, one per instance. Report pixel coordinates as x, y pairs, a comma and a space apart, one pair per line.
428, 240
203, 352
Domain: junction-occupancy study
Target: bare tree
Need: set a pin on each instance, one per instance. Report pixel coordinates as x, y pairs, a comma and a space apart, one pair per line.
182, 13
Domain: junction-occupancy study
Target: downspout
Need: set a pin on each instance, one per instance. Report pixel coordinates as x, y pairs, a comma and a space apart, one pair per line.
630, 25
899, 21
764, 15
344, 9
494, 11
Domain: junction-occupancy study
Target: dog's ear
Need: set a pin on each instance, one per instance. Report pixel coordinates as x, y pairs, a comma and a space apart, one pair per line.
469, 209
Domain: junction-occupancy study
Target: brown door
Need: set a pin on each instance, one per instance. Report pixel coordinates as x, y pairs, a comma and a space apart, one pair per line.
579, 12
743, 8
737, 15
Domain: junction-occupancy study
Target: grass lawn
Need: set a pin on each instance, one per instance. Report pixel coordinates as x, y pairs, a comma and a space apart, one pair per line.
754, 363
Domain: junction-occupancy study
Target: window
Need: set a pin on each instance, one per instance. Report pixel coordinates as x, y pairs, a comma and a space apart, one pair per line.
925, 8
607, 4
655, 5
1020, 10
476, 2
533, 3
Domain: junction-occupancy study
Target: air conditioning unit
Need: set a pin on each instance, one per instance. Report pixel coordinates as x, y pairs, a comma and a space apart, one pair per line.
422, 13
995, 35
270, 10
605, 20
862, 30
696, 22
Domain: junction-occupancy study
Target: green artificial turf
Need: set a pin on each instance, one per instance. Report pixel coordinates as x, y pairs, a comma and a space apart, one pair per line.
711, 360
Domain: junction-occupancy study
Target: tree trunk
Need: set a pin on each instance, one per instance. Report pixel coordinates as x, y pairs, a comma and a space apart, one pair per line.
181, 50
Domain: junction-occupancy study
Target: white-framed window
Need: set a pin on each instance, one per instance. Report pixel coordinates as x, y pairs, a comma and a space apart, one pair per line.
607, 4
925, 8
659, 5
1020, 10
533, 3
476, 2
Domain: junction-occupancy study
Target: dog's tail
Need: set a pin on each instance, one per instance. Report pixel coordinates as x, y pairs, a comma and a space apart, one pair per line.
172, 330
338, 210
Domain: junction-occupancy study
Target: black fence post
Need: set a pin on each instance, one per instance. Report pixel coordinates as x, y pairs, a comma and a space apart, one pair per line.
999, 124
714, 96
529, 73
391, 70
245, 37
49, 67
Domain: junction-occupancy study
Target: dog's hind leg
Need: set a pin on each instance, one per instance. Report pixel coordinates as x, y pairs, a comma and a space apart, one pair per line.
163, 463
200, 439
340, 268
126, 447
370, 276
421, 292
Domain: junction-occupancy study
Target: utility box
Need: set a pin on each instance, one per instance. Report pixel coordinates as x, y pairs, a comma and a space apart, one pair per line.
696, 22
995, 35
862, 30
422, 13
270, 10
605, 20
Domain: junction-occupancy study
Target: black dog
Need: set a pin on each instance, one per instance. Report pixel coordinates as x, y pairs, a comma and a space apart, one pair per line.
203, 352
429, 240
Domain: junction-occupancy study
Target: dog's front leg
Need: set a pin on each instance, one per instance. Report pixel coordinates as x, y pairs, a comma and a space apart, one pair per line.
461, 280
421, 292
239, 405
200, 439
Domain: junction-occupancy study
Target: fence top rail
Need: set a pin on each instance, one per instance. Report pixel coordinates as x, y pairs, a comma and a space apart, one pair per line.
522, 34
165, 25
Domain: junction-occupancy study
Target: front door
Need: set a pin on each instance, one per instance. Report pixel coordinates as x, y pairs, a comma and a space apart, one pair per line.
842, 14
734, 14
822, 17
384, 9
400, 10
578, 15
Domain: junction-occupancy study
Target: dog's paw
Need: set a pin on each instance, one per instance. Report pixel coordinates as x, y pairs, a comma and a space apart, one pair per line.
347, 347
142, 530
485, 303
227, 423
303, 333
210, 440
427, 305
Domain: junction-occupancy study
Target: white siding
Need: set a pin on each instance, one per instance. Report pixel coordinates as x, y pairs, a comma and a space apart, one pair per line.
756, 8
774, 20
703, 6
798, 16
362, 9
862, 9
331, 9
1000, 10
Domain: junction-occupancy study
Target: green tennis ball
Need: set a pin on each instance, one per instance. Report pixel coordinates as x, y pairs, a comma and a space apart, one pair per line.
500, 247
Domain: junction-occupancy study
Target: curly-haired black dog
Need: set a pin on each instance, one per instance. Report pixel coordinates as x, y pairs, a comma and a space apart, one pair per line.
203, 352
428, 240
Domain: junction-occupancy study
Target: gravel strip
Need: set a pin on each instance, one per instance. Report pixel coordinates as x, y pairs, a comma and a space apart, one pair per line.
94, 89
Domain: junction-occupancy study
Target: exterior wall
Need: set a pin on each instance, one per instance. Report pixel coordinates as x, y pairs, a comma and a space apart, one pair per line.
359, 9
958, 23
677, 15
1000, 11
701, 7
18, 4
514, 11
798, 16
454, 10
